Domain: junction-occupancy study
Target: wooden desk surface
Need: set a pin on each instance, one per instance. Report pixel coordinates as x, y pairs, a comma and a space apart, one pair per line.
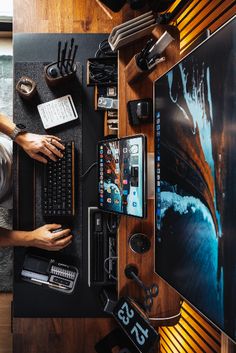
168, 301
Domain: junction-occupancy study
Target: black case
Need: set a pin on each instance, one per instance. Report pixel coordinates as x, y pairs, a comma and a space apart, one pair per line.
50, 273
134, 120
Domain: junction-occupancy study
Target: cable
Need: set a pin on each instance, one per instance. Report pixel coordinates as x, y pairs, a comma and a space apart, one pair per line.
103, 73
165, 318
89, 169
113, 229
105, 50
106, 270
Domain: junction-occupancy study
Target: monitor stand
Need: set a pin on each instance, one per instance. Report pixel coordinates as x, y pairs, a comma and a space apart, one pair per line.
150, 176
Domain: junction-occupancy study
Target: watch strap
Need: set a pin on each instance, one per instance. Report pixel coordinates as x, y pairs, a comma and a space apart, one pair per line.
19, 129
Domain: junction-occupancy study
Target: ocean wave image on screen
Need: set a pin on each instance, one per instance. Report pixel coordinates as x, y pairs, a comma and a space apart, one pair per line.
196, 197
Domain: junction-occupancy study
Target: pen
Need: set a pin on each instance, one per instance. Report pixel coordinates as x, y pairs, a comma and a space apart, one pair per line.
70, 51
72, 42
58, 286
73, 58
58, 54
65, 47
62, 59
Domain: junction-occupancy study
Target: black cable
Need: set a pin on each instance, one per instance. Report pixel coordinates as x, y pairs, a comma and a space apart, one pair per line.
112, 258
103, 73
105, 50
89, 169
113, 222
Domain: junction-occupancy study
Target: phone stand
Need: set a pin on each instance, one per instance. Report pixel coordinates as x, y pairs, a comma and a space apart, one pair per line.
57, 73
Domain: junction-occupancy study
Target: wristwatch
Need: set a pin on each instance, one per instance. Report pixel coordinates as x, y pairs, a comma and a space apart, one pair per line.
19, 129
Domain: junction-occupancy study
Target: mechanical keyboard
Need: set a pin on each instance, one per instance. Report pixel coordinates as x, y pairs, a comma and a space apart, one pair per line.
58, 199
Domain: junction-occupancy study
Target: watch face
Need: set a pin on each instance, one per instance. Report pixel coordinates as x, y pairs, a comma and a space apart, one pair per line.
21, 126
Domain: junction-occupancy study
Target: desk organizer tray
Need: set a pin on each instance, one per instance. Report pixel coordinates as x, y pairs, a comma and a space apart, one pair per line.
102, 71
50, 273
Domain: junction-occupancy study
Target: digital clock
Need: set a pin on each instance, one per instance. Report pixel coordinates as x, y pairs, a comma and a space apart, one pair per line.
135, 325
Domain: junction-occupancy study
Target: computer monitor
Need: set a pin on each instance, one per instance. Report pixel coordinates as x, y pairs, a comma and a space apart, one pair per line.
195, 177
122, 175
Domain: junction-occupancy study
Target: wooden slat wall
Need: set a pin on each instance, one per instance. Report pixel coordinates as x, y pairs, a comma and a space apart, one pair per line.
202, 14
193, 334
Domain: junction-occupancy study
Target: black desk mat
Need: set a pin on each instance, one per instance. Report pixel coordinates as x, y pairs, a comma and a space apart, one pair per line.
26, 112
31, 51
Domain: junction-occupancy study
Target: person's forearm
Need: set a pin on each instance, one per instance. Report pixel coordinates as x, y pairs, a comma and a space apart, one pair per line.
14, 238
6, 125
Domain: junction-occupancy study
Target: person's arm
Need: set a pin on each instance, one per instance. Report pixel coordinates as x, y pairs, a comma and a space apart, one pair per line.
41, 238
36, 146
6, 125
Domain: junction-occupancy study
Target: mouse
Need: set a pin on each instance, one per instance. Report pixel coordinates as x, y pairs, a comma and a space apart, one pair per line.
59, 230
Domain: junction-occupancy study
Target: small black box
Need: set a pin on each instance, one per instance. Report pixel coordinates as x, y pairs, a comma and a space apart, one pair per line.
140, 111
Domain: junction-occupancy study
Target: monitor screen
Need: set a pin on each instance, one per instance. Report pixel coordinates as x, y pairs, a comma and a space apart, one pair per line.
195, 177
122, 175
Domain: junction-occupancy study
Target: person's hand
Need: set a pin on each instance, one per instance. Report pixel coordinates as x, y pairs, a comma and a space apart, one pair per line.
39, 146
43, 237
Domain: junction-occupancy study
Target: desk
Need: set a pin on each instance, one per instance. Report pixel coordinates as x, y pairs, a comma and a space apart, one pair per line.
59, 328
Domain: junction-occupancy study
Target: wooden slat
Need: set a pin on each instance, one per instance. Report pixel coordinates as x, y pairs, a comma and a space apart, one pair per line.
223, 19
192, 334
187, 8
185, 340
195, 334
165, 332
196, 331
167, 339
200, 15
165, 346
162, 349
212, 330
200, 10
192, 337
186, 11
186, 47
199, 24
